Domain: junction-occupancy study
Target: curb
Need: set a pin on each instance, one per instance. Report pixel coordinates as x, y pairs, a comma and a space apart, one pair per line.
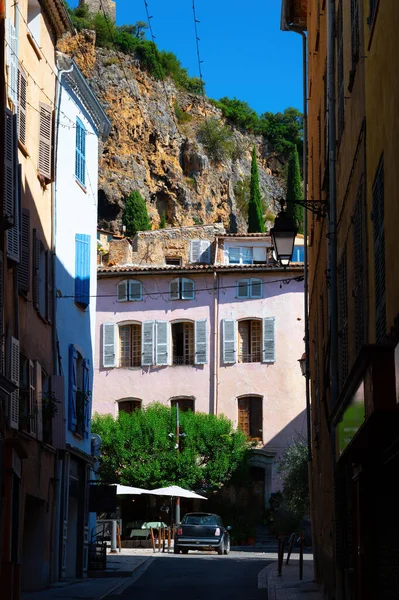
128, 581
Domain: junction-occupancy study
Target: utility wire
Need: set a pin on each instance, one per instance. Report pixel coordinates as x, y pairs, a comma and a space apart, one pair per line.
197, 40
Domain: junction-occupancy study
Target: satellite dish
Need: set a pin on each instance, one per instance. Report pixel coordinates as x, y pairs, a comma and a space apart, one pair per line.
96, 442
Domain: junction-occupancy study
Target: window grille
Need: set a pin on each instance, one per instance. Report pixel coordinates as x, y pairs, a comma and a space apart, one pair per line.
130, 345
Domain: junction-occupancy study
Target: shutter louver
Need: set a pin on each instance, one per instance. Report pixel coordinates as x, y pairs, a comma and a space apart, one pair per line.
86, 397
80, 152
24, 265
109, 345
12, 60
72, 387
229, 341
243, 288
205, 252
9, 167
195, 254
147, 348
49, 278
14, 378
22, 93
187, 289
161, 329
39, 400
45, 139
82, 269
36, 269
268, 338
134, 290
1, 314
13, 234
174, 289
201, 342
122, 291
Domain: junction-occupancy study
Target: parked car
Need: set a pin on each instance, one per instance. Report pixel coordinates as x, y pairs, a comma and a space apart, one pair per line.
202, 531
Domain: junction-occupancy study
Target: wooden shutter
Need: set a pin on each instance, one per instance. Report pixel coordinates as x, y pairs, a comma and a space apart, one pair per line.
195, 251
205, 252
12, 61
45, 140
379, 252
122, 291
72, 387
39, 401
24, 265
162, 340
244, 415
343, 339
36, 269
82, 269
187, 289
201, 342
1, 313
243, 288
255, 416
14, 378
358, 246
135, 290
9, 167
256, 288
87, 397
174, 289
13, 235
268, 339
229, 341
147, 344
109, 345
22, 93
49, 287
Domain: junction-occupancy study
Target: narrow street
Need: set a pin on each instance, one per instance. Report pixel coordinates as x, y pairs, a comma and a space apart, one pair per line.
199, 576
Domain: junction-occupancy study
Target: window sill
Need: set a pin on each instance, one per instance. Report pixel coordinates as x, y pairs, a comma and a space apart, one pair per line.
44, 181
23, 149
34, 46
82, 187
81, 306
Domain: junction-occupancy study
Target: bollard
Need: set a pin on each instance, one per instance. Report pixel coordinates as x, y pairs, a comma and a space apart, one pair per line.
118, 537
290, 546
280, 553
168, 539
152, 539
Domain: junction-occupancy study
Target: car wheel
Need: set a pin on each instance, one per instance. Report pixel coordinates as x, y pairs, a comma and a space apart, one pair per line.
221, 548
227, 548
176, 549
184, 551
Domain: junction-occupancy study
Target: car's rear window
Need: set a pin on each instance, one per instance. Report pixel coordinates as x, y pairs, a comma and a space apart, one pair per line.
200, 520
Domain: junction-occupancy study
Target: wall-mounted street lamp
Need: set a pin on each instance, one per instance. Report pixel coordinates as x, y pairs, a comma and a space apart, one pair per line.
302, 364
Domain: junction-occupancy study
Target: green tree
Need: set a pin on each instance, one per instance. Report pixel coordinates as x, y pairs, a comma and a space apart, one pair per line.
135, 215
283, 130
140, 448
217, 139
162, 222
294, 190
293, 470
255, 217
137, 30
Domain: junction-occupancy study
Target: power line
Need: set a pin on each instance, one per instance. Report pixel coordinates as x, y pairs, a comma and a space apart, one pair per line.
197, 40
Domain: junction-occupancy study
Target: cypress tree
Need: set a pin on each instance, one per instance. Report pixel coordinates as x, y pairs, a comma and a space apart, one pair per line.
135, 215
255, 216
162, 222
294, 190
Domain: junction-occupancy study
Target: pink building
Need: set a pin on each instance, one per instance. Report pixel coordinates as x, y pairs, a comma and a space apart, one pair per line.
203, 318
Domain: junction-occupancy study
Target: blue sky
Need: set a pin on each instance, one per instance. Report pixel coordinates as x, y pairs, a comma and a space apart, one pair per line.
244, 53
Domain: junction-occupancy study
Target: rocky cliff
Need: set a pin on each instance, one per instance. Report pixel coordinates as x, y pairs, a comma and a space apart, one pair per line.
152, 150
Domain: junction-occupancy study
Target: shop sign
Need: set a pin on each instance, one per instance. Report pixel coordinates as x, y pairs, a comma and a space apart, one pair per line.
352, 419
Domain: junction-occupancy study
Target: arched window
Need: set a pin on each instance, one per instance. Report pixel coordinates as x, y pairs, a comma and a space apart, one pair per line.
249, 340
129, 405
183, 343
249, 288
185, 404
181, 289
130, 345
129, 290
250, 416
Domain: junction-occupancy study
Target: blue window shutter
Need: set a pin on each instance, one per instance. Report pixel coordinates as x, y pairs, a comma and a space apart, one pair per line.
82, 269
72, 387
80, 152
87, 396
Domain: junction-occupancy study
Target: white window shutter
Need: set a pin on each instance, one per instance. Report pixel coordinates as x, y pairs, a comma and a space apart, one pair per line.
195, 251
45, 140
229, 341
256, 288
14, 377
174, 289
109, 345
243, 288
12, 61
187, 289
269, 340
205, 252
122, 291
201, 342
135, 290
147, 343
162, 341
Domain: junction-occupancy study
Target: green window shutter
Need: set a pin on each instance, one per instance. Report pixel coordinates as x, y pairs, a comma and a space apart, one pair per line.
80, 152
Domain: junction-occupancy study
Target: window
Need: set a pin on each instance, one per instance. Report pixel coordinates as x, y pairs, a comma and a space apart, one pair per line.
82, 269
379, 251
45, 141
130, 345
80, 153
240, 255
249, 288
249, 341
298, 254
25, 264
34, 20
185, 404
256, 340
173, 261
183, 343
22, 92
200, 251
129, 405
129, 290
250, 416
181, 289
79, 393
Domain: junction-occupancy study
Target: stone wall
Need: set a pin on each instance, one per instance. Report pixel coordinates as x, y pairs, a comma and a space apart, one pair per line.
96, 6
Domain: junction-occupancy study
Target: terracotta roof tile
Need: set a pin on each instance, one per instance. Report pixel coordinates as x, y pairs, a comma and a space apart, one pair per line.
199, 268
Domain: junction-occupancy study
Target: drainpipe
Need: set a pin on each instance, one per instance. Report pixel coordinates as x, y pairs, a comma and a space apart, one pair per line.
214, 408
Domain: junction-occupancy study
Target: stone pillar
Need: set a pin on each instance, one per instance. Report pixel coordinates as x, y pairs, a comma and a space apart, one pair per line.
96, 6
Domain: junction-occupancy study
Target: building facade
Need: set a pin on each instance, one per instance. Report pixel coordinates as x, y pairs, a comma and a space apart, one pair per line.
80, 124
201, 318
352, 143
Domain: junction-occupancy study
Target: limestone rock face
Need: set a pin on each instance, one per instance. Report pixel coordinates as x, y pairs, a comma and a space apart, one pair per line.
149, 150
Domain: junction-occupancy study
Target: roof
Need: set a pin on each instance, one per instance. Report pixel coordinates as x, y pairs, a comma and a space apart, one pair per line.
243, 235
148, 270
294, 15
58, 16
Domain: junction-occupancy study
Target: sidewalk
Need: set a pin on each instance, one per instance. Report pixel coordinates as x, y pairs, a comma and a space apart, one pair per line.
287, 586
120, 573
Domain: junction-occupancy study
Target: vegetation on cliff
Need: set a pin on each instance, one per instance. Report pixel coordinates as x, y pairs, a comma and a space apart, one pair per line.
135, 216
256, 223
294, 190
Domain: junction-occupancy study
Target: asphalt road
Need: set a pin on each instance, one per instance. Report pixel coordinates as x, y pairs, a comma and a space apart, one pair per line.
199, 576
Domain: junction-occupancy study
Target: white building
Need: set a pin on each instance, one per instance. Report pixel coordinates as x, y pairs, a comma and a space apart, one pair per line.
80, 123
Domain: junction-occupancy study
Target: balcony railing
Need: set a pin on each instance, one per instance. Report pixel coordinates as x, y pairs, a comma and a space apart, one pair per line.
183, 360
249, 358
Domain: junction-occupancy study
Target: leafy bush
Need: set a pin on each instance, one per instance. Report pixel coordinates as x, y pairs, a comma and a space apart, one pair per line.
135, 215
162, 222
181, 115
242, 190
239, 113
216, 138
112, 60
293, 470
